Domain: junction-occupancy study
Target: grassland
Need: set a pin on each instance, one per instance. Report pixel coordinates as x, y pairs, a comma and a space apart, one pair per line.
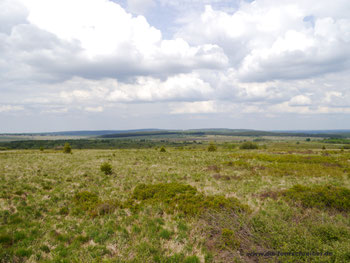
182, 205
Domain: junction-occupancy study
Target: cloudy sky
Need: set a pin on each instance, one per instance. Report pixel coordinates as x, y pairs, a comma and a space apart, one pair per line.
129, 64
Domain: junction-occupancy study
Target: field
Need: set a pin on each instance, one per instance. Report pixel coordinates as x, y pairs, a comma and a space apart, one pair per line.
183, 204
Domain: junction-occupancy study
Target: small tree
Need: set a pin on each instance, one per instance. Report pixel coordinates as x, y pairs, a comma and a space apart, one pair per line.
162, 149
308, 139
212, 147
106, 168
41, 148
67, 148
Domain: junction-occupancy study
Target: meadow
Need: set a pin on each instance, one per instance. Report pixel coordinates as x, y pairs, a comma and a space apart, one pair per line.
180, 204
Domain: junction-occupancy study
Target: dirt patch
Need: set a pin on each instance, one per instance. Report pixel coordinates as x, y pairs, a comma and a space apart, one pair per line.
226, 177
269, 194
214, 168
229, 237
332, 165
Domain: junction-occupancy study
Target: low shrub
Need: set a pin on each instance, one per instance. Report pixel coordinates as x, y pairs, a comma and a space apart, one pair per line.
248, 146
330, 233
67, 148
229, 239
320, 196
184, 198
85, 200
212, 147
162, 149
106, 168
105, 207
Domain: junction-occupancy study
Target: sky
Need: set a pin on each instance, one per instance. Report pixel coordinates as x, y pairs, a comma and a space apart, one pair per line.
133, 64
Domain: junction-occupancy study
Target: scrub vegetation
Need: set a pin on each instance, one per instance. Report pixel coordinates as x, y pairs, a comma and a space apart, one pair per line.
184, 204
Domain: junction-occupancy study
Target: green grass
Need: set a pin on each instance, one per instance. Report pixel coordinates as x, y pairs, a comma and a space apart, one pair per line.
182, 205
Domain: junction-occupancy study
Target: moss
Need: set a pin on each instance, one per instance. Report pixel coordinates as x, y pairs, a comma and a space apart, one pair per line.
184, 198
321, 197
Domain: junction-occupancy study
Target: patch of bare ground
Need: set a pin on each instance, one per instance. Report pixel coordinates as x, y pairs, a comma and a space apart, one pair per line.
270, 194
226, 177
213, 168
229, 238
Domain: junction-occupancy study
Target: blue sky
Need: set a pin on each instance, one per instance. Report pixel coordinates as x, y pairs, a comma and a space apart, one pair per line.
99, 64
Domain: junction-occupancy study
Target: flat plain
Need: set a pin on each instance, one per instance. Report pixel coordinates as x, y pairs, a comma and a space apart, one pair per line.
183, 204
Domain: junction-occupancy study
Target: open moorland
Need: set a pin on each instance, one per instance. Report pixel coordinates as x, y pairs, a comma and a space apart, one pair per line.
185, 202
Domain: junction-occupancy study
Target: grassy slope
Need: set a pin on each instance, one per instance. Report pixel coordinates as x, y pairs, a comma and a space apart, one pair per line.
40, 222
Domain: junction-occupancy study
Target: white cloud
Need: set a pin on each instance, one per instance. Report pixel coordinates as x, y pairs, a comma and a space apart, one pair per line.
9, 108
140, 6
300, 100
94, 109
268, 40
194, 107
98, 39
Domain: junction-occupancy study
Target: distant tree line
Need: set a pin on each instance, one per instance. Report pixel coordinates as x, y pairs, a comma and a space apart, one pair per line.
91, 144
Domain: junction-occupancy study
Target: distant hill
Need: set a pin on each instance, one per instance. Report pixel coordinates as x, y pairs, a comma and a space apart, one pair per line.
79, 133
315, 131
190, 132
226, 132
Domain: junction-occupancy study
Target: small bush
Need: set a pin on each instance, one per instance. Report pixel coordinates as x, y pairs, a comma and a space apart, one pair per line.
105, 207
212, 147
248, 146
330, 233
228, 238
64, 211
185, 199
106, 168
67, 148
41, 149
308, 140
320, 196
85, 200
162, 149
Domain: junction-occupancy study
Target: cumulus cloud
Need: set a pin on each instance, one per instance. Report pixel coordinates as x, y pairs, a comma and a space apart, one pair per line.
96, 39
266, 40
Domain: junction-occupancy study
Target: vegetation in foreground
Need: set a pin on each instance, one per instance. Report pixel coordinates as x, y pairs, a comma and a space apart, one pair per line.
185, 204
